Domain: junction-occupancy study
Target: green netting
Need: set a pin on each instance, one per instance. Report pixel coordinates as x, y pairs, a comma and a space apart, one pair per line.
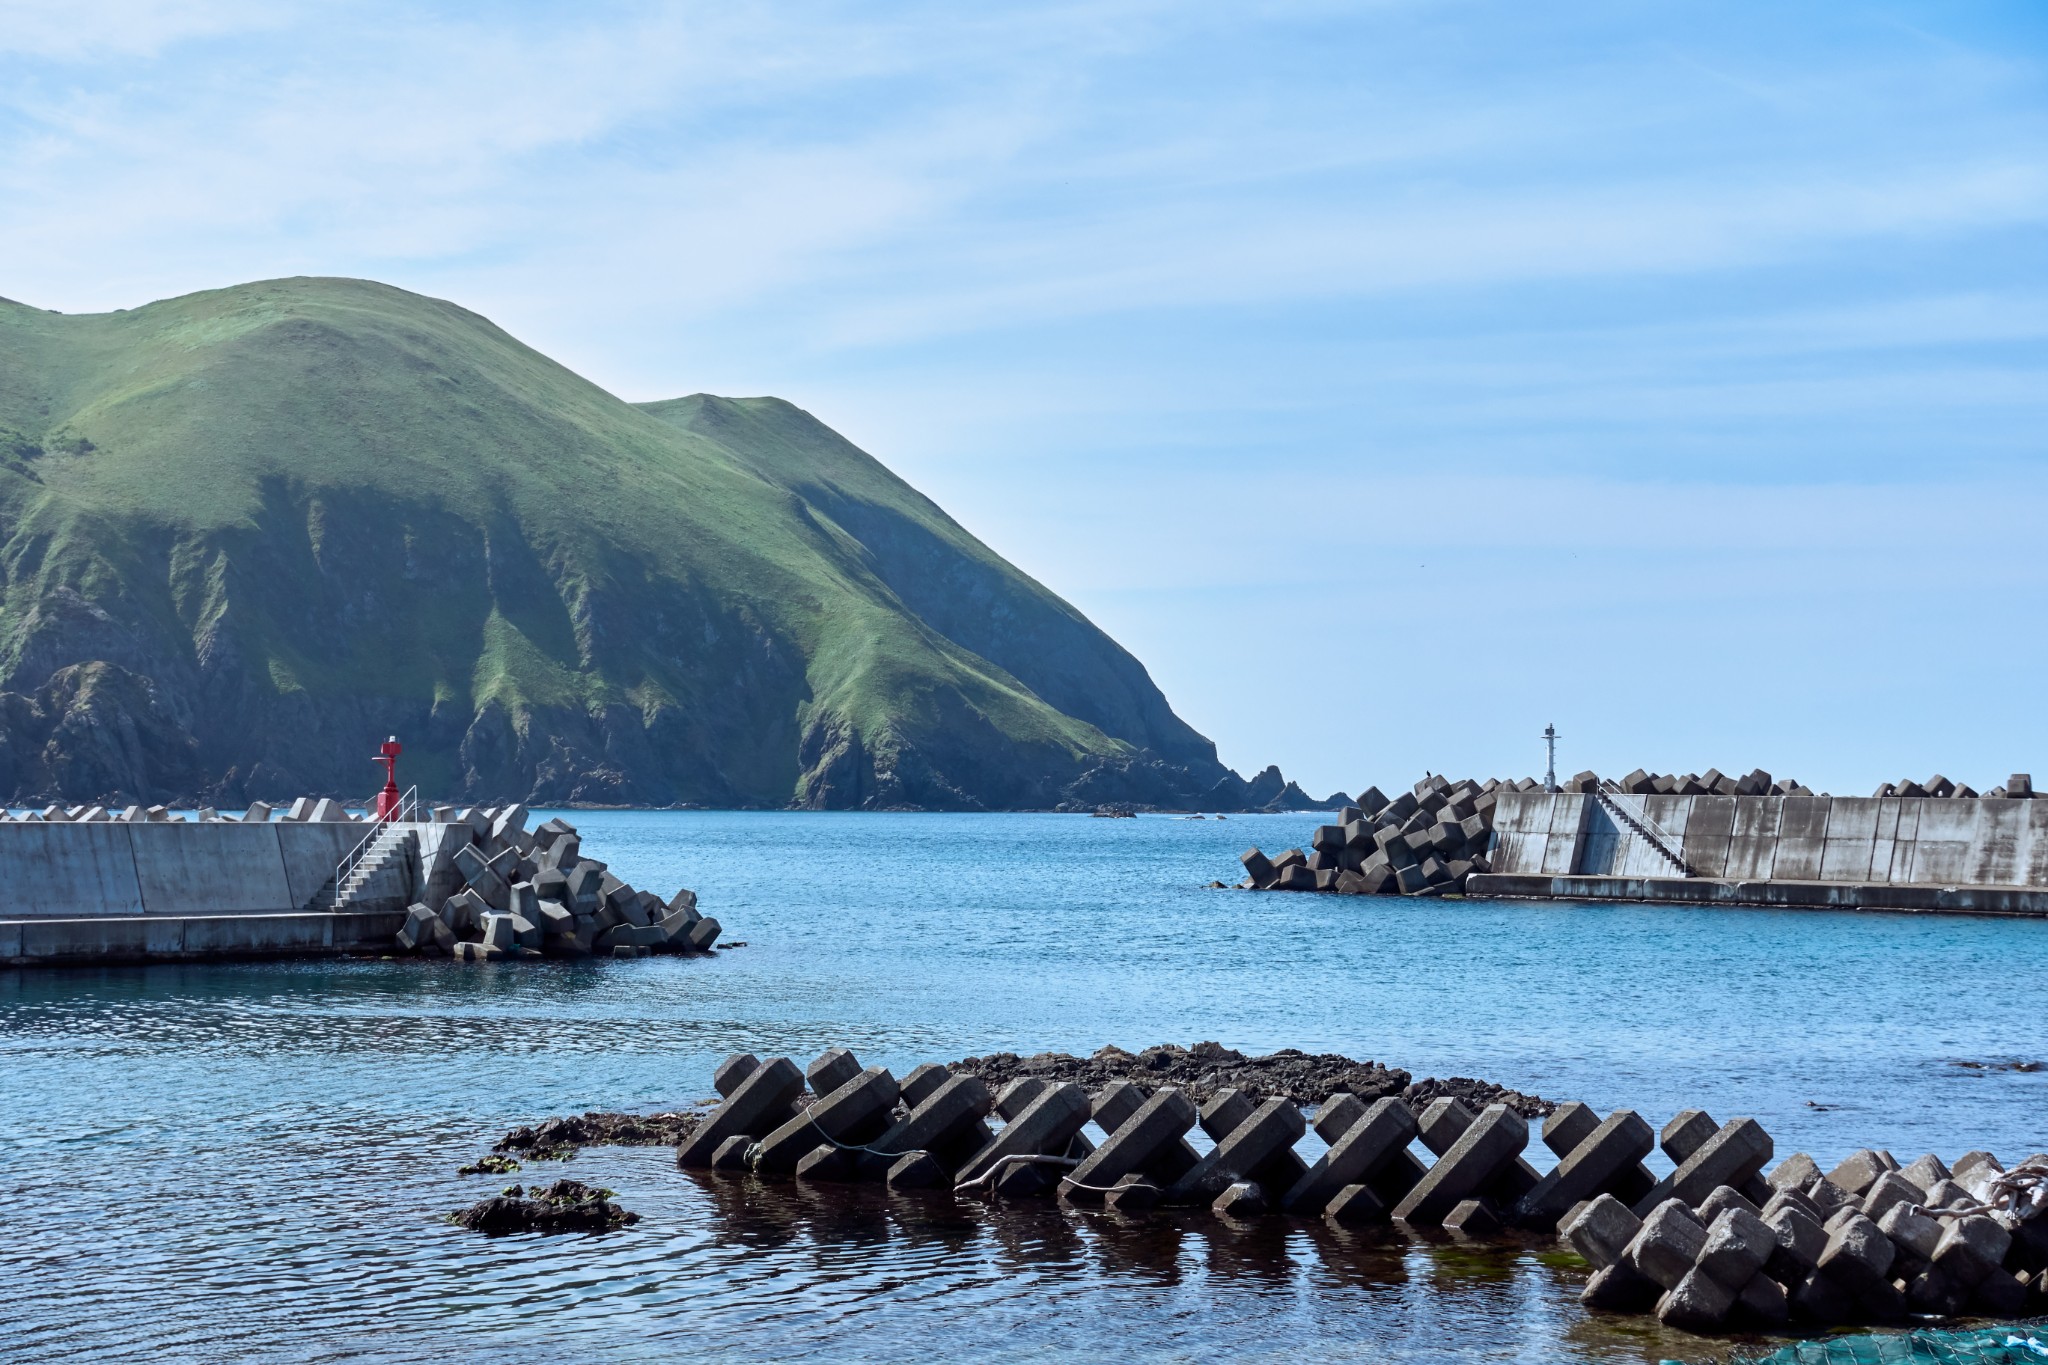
1979, 1346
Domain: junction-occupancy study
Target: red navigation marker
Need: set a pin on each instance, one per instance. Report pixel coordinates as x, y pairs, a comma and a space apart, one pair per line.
387, 800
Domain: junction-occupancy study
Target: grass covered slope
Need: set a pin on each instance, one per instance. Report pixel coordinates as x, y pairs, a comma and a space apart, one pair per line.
246, 533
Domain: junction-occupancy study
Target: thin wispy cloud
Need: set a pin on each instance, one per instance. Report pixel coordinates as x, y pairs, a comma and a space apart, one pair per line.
1202, 294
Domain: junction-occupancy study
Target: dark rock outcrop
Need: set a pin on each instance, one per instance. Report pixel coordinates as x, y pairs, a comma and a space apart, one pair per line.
565, 1206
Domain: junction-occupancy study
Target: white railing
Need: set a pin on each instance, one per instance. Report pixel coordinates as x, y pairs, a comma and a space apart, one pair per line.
408, 812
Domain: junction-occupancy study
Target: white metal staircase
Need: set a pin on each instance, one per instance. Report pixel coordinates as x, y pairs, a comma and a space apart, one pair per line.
379, 869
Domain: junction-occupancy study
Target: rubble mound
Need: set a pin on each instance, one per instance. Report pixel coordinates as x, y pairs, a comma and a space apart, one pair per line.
556, 1138
1476, 1095
1201, 1071
565, 1206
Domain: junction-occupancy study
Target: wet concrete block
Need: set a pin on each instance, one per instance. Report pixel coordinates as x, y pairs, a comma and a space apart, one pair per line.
1668, 1245
950, 1113
1222, 1115
1294, 878
1970, 1161
586, 881
1723, 1199
1569, 1125
847, 1114
703, 933
1377, 1133
1828, 1196
1014, 1098
1925, 1173
728, 1074
2001, 1294
675, 932
1891, 1189
1259, 868
1738, 1243
1473, 1219
1354, 1205
1795, 1172
1911, 1230
1132, 1194
1821, 1298
1697, 1303
759, 1103
1858, 1256
824, 1162
1686, 1134
1620, 1288
1762, 1303
1601, 1231
1046, 1127
498, 932
1157, 1125
831, 1069
1607, 1155
414, 932
922, 1082
1444, 1121
1327, 838
1270, 1131
1240, 1199
915, 1171
1971, 1248
1491, 1145
1794, 1199
1732, 1156
1337, 1115
1934, 1292
732, 1153
1857, 1172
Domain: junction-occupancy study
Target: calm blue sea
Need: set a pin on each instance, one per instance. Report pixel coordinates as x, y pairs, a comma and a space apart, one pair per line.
250, 1161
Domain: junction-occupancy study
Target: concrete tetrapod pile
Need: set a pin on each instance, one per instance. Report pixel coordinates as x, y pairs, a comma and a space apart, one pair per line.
307, 809
1713, 1243
1867, 1242
1430, 838
533, 894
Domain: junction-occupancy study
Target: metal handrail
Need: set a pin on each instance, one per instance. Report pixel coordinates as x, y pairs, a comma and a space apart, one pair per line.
407, 812
1665, 842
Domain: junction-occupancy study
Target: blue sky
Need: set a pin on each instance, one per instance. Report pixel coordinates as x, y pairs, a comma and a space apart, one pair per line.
1392, 378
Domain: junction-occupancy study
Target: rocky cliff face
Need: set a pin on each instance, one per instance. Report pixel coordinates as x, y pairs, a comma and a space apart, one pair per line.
245, 535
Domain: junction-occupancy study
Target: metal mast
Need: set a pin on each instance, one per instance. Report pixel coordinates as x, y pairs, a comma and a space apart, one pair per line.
1550, 761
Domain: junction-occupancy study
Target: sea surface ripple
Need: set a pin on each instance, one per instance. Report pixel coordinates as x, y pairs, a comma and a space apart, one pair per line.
252, 1162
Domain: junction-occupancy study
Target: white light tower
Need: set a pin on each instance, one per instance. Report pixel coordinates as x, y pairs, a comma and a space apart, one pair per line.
1550, 761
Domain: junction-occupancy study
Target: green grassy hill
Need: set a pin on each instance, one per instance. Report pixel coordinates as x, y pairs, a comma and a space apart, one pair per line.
249, 532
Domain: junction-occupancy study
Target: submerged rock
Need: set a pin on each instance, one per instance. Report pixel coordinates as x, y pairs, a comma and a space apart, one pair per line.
557, 1139
565, 1206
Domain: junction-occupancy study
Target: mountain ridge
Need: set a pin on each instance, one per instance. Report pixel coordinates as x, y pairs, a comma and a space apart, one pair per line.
247, 532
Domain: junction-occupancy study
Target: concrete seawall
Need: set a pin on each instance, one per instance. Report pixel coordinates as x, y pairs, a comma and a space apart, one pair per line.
113, 891
1974, 855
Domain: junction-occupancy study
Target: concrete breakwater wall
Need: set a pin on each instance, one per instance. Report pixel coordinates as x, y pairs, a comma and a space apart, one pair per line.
1689, 839
1987, 854
115, 891
1724, 1239
93, 887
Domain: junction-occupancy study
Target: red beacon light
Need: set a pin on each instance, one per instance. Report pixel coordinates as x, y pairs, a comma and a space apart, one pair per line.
387, 800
